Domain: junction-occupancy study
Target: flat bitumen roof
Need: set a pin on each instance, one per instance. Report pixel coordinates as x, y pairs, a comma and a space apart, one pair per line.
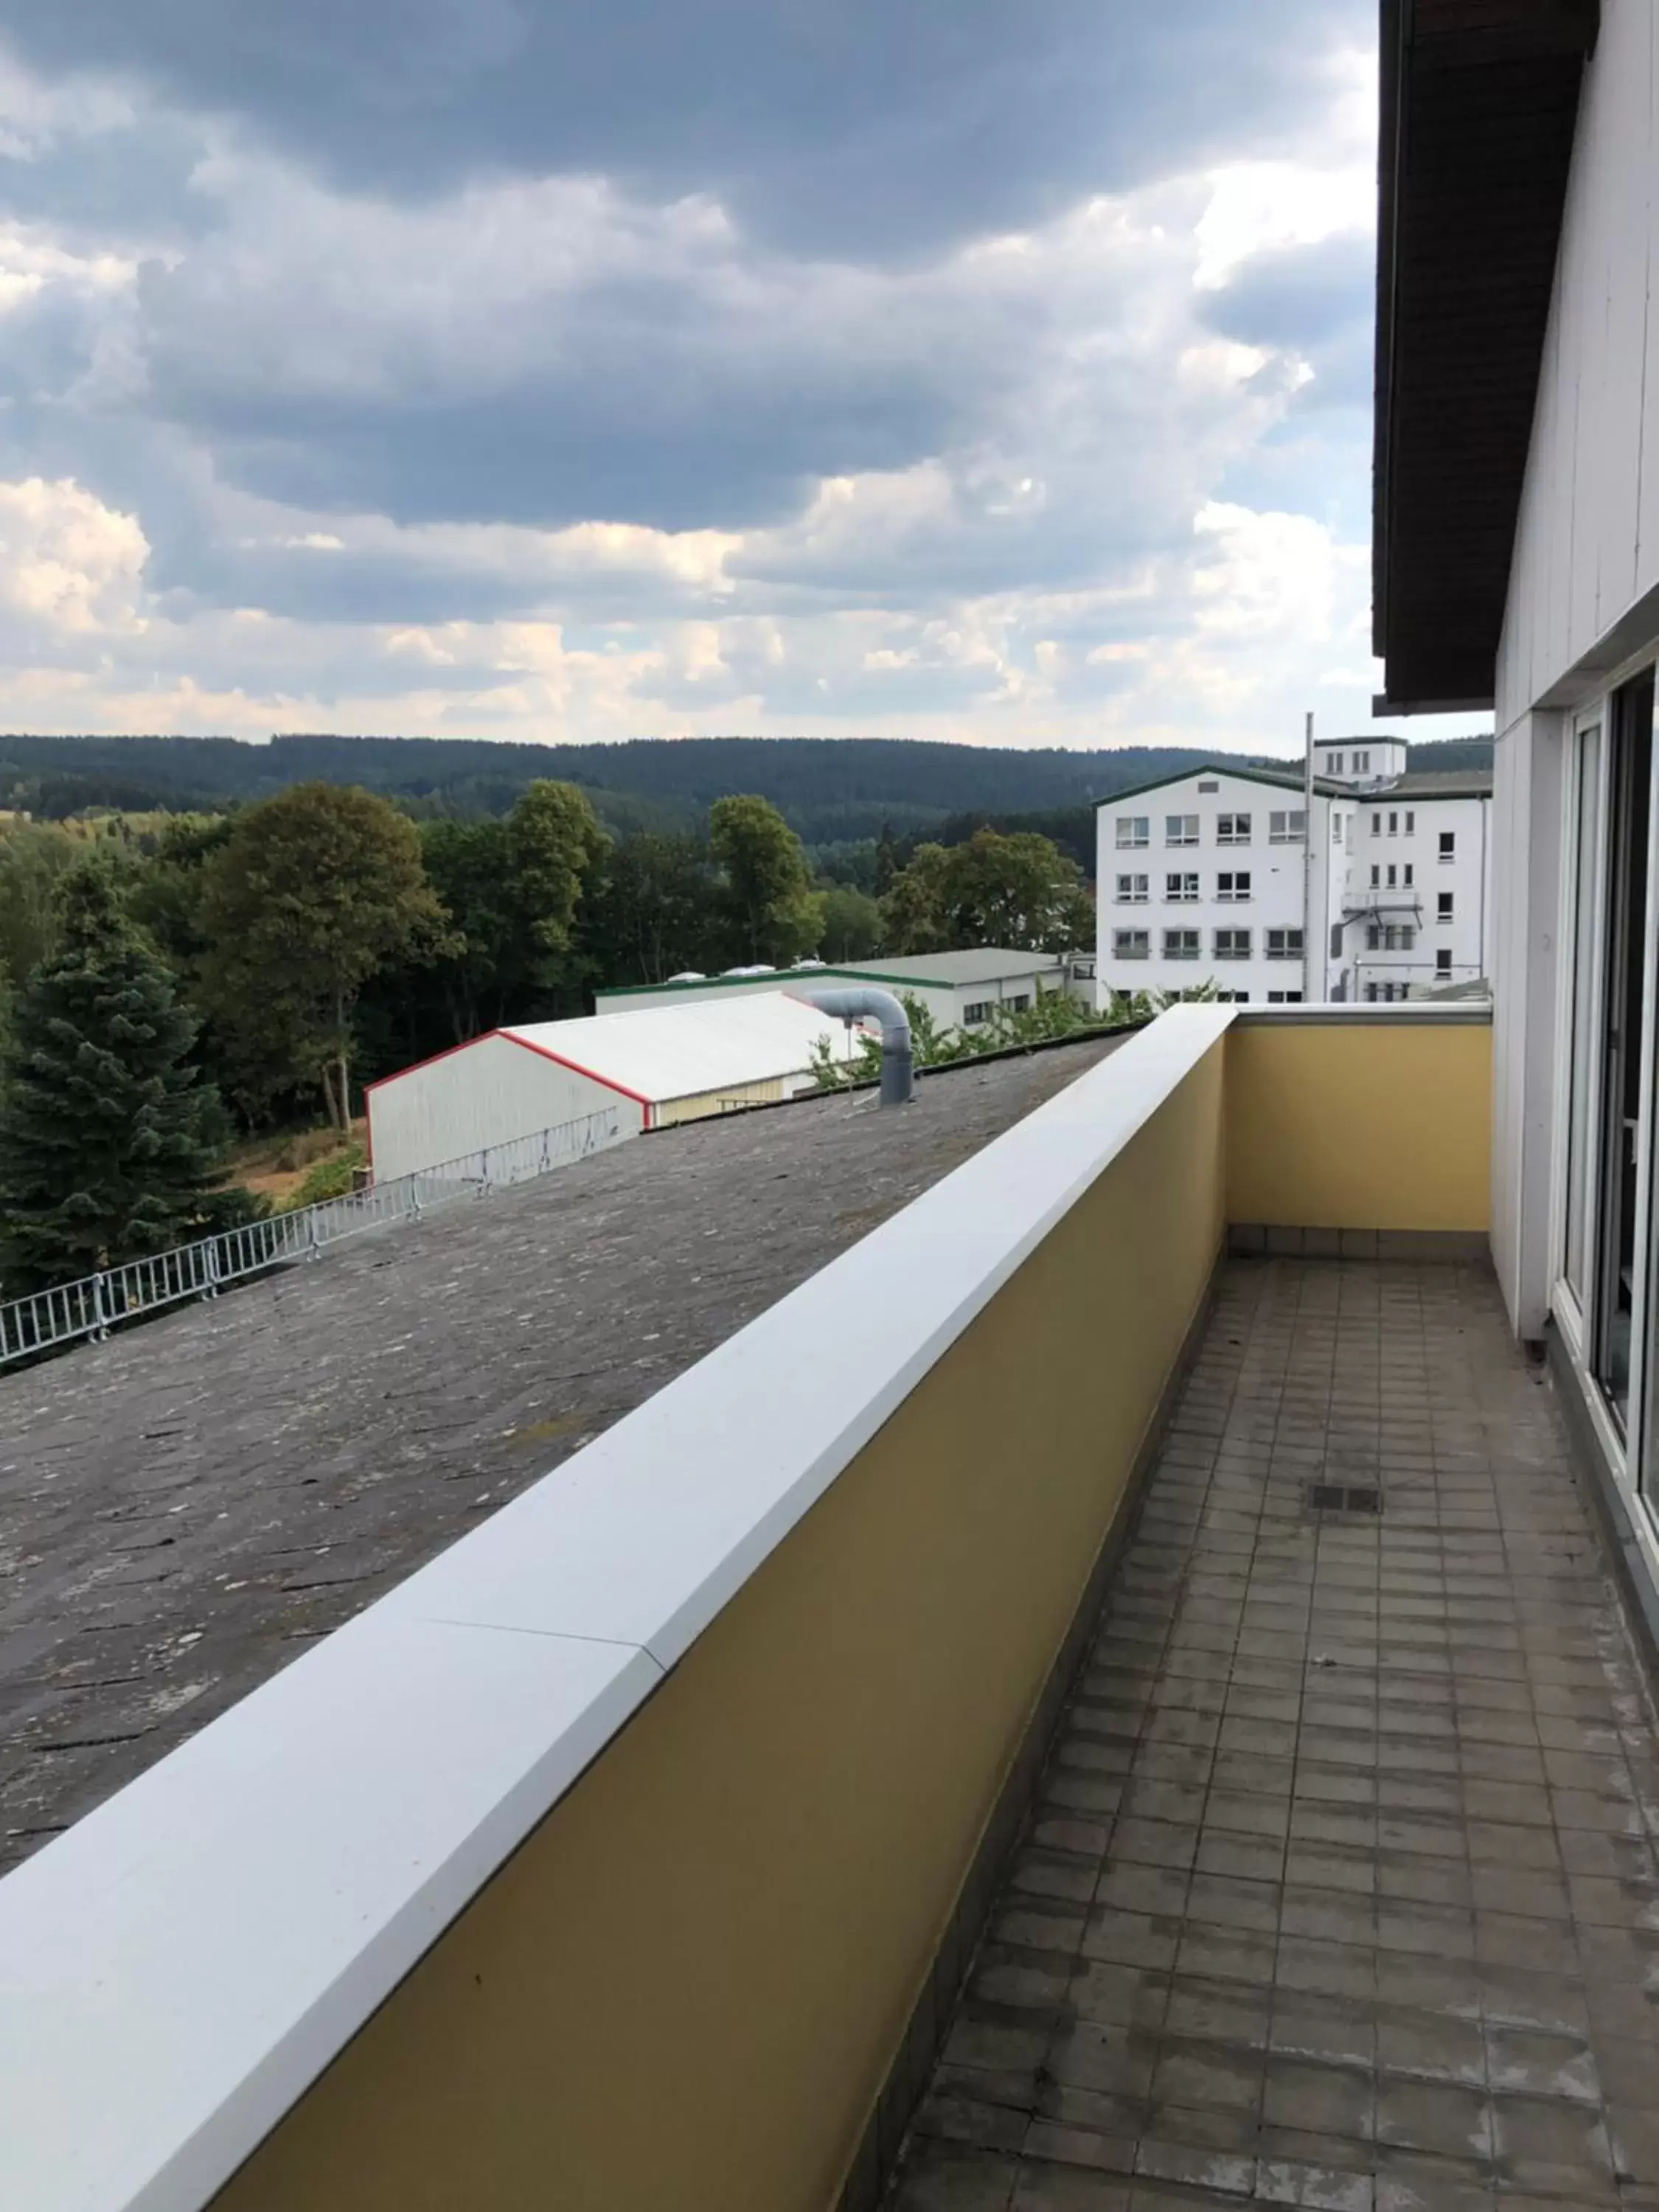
987, 963
184, 1509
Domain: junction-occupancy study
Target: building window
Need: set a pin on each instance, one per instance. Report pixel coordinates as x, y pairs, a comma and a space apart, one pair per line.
1232, 829
1391, 875
1284, 945
1287, 827
1020, 1004
1233, 885
1376, 876
1336, 940
1411, 823
1131, 890
1336, 828
1232, 997
1397, 937
1181, 890
1210, 787
1373, 938
1444, 907
1131, 945
1394, 825
1232, 945
1284, 998
1406, 875
1181, 828
978, 1011
1180, 944
1449, 844
1336, 764
1133, 829
1362, 763
1443, 960
1376, 825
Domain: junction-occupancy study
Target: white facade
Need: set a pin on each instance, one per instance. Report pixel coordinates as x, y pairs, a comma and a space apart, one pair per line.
1576, 916
1204, 878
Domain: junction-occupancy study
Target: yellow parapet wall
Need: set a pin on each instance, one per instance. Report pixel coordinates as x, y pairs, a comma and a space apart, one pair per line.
1381, 1125
684, 1991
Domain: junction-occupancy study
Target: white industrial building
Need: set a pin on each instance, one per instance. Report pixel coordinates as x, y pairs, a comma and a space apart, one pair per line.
1204, 877
960, 990
639, 1071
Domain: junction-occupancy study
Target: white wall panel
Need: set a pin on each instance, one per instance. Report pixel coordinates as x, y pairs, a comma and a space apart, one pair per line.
1588, 543
487, 1093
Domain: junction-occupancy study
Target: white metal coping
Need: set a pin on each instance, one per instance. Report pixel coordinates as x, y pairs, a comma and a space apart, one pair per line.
184, 1962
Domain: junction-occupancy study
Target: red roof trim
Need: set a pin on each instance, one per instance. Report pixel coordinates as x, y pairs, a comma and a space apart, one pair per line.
606, 1082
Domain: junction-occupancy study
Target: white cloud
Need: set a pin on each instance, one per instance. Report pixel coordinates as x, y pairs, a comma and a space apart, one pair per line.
568, 454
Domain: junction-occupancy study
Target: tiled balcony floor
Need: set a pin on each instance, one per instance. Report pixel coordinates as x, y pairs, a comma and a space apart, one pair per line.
1341, 1890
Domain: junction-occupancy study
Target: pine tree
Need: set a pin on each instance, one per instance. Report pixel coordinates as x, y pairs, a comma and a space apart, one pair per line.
109, 1136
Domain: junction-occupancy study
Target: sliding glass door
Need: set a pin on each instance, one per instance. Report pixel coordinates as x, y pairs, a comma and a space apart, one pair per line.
1624, 997
1583, 1044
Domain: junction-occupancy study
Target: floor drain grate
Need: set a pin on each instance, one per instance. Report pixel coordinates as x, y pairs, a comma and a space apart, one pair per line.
1336, 1498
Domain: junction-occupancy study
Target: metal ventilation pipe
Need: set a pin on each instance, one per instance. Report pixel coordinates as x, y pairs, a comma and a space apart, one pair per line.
866, 1002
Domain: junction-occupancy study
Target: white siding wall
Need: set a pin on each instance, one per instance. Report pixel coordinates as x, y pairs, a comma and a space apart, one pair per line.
1276, 888
1587, 548
1583, 598
487, 1093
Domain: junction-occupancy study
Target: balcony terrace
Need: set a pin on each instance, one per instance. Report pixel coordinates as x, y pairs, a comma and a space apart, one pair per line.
1149, 1541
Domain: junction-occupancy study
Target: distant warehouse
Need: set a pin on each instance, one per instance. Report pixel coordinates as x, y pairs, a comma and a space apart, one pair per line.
659, 1065
960, 990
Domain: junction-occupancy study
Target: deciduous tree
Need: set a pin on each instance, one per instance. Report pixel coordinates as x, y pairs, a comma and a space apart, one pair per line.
315, 891
772, 913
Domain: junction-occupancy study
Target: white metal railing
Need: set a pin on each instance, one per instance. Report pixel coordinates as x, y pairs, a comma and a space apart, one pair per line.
96, 1303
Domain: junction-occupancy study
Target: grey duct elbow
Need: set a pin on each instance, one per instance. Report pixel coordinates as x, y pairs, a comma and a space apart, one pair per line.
863, 1003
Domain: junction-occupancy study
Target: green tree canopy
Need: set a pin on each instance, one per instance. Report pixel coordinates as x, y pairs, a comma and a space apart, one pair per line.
109, 1137
851, 924
554, 846
1019, 890
771, 911
33, 858
656, 911
313, 892
916, 914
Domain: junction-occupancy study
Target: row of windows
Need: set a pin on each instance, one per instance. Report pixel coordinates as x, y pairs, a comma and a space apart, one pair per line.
1187, 944
1232, 885
1362, 764
981, 1010
1242, 998
1285, 826
1443, 959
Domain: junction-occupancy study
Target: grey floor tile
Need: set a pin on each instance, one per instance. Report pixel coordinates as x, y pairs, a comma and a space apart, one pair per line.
1341, 1890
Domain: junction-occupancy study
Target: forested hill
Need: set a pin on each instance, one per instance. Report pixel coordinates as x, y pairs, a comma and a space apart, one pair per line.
829, 788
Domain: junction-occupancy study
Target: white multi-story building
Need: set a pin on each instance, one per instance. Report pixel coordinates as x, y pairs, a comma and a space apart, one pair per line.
1204, 878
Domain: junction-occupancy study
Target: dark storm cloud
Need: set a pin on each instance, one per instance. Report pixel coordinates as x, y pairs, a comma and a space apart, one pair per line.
1315, 300
858, 126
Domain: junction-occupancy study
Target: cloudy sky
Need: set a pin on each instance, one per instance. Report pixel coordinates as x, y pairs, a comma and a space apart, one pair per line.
612, 368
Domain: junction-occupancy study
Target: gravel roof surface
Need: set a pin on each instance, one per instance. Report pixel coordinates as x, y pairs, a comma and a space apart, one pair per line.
183, 1508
